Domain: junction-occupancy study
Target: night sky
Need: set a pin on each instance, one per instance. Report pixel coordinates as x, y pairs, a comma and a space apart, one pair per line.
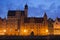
36, 7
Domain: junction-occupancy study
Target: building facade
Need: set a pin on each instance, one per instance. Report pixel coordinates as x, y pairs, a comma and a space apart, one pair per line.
57, 26
17, 23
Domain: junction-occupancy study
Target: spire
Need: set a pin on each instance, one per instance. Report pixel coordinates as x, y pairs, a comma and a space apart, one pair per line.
45, 15
26, 9
26, 6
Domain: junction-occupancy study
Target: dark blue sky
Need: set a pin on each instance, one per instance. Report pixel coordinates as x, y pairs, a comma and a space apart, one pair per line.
36, 7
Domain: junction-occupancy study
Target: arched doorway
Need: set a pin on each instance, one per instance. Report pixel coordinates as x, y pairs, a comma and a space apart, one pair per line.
32, 33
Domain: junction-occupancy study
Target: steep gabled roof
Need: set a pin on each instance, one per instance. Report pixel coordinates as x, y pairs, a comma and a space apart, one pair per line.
50, 20
13, 12
34, 19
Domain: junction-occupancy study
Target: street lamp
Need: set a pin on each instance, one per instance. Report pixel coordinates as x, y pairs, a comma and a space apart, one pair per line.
46, 30
25, 30
4, 30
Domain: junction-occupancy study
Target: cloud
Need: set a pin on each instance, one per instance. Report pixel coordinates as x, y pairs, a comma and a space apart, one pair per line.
53, 10
37, 12
36, 7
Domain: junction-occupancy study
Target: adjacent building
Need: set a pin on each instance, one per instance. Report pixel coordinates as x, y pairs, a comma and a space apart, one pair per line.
57, 26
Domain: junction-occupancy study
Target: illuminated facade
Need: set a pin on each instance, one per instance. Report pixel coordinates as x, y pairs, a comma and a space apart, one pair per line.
17, 23
57, 26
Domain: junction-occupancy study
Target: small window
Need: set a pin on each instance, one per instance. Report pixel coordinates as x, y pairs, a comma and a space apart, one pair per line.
56, 23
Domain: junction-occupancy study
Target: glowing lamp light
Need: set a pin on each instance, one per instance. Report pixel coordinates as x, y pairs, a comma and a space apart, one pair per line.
46, 30
4, 30
25, 30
